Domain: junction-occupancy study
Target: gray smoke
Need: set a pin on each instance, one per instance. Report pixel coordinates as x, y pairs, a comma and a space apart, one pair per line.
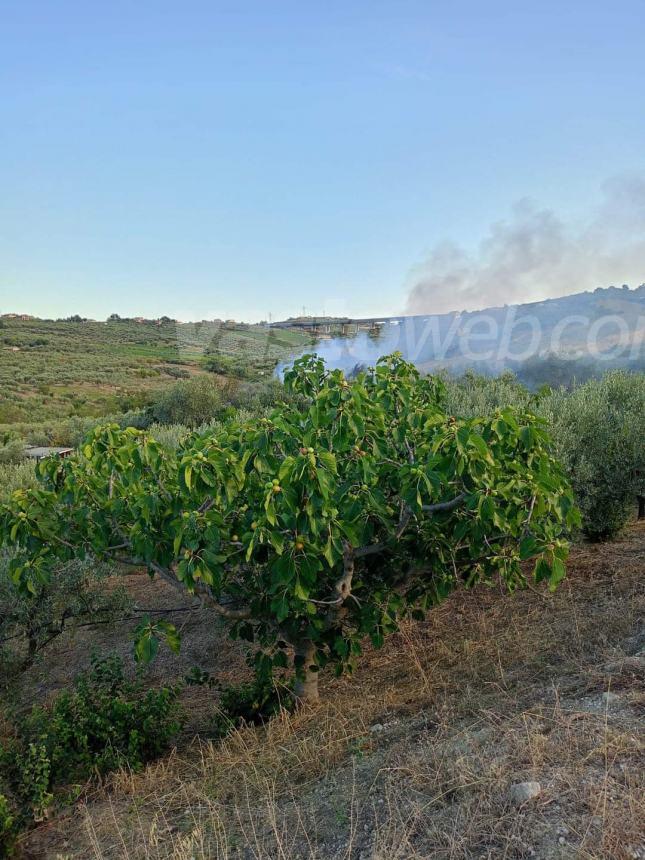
535, 255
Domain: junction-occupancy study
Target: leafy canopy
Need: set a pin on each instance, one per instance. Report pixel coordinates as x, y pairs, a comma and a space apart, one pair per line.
348, 506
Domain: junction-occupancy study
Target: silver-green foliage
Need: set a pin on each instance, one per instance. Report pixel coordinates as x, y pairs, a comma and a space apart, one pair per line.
599, 437
75, 594
16, 476
597, 432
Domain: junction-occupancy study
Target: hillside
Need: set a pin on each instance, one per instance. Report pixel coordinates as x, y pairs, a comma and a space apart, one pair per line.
56, 369
416, 756
587, 332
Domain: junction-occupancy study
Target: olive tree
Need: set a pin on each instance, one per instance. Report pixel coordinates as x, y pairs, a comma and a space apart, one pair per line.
74, 595
598, 435
321, 524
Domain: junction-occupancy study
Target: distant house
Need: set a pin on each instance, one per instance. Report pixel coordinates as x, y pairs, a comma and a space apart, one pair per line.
39, 452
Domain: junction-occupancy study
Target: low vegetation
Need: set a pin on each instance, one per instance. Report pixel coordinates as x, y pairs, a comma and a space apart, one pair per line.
74, 595
105, 722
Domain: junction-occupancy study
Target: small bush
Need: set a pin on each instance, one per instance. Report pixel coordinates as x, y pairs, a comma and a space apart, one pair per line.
252, 703
191, 402
7, 827
256, 701
103, 723
176, 372
12, 448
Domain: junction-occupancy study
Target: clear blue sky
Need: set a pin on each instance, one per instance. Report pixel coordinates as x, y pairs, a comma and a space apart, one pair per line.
233, 159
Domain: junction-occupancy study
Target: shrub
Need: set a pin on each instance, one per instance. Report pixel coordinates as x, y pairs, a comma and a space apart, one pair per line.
169, 436
74, 595
598, 435
16, 476
596, 430
257, 397
7, 827
252, 703
103, 723
176, 372
191, 402
474, 394
227, 365
12, 449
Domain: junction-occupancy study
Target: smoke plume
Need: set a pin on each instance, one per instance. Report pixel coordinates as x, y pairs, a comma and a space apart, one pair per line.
535, 255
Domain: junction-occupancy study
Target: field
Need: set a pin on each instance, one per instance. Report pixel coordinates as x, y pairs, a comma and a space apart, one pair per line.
55, 370
413, 758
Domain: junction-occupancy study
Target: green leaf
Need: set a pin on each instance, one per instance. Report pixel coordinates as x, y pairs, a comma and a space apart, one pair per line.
542, 570
277, 542
286, 468
145, 647
299, 591
329, 553
558, 573
328, 460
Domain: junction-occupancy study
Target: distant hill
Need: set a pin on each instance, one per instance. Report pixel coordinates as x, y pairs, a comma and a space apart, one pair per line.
587, 332
604, 324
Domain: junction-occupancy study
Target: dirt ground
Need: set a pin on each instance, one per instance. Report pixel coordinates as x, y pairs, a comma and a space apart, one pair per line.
417, 755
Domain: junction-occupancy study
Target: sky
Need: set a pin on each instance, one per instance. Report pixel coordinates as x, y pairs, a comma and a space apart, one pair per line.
239, 160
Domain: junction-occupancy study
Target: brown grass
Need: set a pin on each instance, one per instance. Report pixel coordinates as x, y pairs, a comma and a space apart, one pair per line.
414, 756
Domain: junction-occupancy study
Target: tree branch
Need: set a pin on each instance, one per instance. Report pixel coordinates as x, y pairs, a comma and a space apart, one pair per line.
199, 588
204, 594
372, 549
406, 516
444, 506
343, 586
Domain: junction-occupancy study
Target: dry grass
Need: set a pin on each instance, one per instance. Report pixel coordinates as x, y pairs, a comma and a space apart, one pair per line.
414, 756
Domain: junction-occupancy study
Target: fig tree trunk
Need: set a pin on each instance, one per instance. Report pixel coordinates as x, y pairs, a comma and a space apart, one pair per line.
306, 686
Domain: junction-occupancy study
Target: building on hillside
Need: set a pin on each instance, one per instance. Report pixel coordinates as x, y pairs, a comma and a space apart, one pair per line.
39, 452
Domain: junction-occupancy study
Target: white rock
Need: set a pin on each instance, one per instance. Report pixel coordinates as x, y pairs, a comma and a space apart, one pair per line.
521, 792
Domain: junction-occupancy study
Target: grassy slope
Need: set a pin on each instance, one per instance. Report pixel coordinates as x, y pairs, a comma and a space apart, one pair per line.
51, 370
414, 757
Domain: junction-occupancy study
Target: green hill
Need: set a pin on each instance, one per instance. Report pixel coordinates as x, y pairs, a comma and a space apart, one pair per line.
58, 369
